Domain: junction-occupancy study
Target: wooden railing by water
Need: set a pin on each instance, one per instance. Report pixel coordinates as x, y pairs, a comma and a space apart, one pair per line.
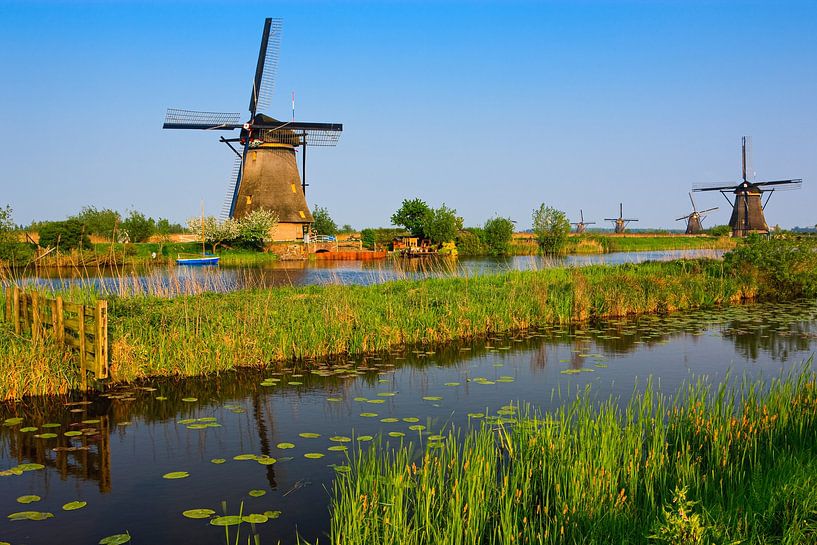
81, 328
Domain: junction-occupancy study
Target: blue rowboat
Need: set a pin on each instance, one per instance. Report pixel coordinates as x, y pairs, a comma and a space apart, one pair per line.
201, 260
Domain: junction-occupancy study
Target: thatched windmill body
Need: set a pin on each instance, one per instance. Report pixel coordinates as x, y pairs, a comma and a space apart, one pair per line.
581, 225
694, 218
266, 170
747, 209
620, 222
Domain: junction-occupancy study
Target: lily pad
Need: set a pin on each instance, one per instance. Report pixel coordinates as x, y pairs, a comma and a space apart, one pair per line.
46, 435
116, 539
265, 460
272, 514
337, 448
198, 513
376, 401
313, 455
30, 515
74, 505
190, 399
389, 420
217, 461
176, 475
257, 493
411, 419
230, 520
308, 435
432, 398
340, 439
255, 518
13, 421
451, 384
363, 438
31, 498
241, 457
91, 421
28, 429
285, 446
51, 425
30, 467
334, 399
72, 433
417, 427
368, 415
160, 398
396, 434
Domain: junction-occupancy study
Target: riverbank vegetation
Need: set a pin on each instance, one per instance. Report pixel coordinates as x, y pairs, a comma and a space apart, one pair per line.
725, 465
211, 332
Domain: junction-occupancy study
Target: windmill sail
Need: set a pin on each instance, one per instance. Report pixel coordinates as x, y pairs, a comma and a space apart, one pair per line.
263, 85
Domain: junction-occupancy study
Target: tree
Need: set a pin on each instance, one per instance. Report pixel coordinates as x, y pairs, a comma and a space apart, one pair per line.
413, 215
138, 227
498, 235
102, 223
551, 228
469, 242
719, 230
441, 224
215, 232
8, 230
324, 224
66, 234
346, 229
256, 228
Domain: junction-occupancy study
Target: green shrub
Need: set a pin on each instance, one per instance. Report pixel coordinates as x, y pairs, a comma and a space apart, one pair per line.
470, 243
782, 268
138, 227
498, 235
719, 230
67, 234
551, 228
324, 224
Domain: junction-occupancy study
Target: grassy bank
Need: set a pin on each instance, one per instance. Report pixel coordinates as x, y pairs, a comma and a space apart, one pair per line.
213, 332
709, 466
594, 243
190, 335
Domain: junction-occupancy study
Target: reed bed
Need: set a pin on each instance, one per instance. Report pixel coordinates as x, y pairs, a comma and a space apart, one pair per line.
726, 464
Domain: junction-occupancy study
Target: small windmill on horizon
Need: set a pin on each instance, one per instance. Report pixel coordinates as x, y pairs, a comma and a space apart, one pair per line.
581, 225
747, 210
620, 222
694, 218
265, 174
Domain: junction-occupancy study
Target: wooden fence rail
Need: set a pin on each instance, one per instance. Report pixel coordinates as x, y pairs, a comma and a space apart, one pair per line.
82, 328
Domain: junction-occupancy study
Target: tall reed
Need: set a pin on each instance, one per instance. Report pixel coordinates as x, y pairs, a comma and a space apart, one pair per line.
599, 473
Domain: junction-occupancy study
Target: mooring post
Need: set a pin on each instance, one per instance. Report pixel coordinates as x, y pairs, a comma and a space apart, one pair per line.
101, 338
7, 307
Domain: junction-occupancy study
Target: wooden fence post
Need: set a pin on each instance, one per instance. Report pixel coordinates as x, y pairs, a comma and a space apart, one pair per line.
59, 321
7, 308
81, 328
101, 338
16, 309
35, 316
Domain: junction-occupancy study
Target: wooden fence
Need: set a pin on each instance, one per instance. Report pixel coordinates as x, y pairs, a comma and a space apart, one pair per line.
82, 328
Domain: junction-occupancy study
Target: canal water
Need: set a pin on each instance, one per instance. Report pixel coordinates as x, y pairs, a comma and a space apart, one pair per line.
172, 280
272, 440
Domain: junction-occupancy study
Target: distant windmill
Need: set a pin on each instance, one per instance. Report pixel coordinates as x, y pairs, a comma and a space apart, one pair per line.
266, 171
694, 219
747, 210
581, 226
620, 222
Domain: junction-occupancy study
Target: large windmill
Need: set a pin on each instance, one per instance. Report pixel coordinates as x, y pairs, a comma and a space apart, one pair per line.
266, 171
747, 210
620, 222
694, 218
581, 225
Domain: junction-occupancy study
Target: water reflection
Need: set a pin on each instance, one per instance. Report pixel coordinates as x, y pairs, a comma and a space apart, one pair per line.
163, 280
131, 436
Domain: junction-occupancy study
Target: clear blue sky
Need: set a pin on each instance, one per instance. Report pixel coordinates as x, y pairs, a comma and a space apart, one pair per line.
489, 107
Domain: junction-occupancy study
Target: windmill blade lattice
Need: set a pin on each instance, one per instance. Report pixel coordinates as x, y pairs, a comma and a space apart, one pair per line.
267, 67
190, 119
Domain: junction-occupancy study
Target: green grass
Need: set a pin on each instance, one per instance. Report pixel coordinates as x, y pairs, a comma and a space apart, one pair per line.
594, 243
711, 465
